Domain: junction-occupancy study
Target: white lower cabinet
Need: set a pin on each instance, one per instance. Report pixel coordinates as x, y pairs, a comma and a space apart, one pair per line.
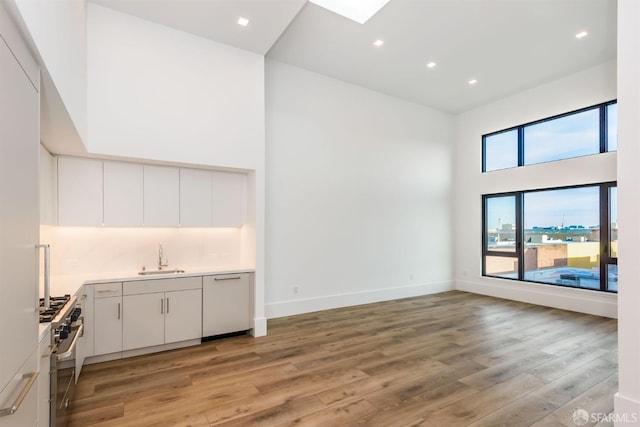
155, 318
140, 314
107, 318
183, 317
226, 304
144, 320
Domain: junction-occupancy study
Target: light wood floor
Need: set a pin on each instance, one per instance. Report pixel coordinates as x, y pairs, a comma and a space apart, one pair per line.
450, 359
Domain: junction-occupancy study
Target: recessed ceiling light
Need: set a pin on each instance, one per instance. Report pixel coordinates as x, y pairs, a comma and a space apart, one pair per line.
243, 21
431, 64
472, 82
356, 10
378, 43
581, 34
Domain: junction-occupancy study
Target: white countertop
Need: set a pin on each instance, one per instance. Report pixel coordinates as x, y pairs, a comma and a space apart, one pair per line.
69, 284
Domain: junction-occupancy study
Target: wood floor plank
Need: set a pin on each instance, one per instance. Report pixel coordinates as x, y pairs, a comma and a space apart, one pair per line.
521, 412
576, 382
283, 414
504, 371
344, 414
449, 359
597, 401
557, 367
482, 403
414, 409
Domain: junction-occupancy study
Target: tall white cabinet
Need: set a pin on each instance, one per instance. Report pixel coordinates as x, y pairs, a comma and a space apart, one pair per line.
19, 222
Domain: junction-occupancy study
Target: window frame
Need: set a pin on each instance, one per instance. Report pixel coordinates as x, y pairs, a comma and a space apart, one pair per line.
603, 135
519, 253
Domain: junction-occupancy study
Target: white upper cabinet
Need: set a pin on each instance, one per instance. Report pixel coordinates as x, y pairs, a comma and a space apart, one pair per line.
123, 194
195, 198
93, 193
229, 195
161, 196
79, 192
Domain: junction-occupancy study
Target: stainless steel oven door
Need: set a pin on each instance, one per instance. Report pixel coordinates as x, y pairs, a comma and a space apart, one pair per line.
63, 379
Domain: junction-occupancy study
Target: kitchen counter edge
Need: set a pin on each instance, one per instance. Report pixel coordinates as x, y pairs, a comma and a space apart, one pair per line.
130, 278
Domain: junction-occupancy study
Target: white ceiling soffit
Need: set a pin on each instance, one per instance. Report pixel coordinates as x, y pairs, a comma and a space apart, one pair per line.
218, 19
506, 45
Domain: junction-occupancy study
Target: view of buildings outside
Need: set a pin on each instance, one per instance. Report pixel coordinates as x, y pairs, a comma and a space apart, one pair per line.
561, 237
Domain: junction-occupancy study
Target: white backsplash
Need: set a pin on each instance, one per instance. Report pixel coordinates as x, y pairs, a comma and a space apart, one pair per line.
99, 250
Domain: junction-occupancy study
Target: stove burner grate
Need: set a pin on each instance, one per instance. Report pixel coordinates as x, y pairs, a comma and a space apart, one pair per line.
56, 304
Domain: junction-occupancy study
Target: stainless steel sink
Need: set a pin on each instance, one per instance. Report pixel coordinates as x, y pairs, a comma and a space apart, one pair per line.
152, 272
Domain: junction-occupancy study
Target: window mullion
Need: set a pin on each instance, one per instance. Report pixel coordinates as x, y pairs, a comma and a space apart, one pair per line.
520, 234
521, 146
604, 235
603, 129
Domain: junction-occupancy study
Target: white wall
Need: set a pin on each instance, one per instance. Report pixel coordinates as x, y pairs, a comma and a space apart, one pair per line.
58, 29
159, 93
576, 91
627, 400
358, 194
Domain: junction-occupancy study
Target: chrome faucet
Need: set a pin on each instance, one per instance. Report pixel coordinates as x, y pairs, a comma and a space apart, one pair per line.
162, 261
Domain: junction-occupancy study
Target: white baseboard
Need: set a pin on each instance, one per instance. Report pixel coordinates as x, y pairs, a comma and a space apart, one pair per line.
572, 299
327, 302
626, 410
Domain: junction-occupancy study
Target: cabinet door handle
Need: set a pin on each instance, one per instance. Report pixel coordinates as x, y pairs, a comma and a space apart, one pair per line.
162, 306
227, 278
167, 305
16, 405
118, 311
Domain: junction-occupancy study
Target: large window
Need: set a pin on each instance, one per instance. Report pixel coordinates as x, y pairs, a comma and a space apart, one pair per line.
563, 236
588, 131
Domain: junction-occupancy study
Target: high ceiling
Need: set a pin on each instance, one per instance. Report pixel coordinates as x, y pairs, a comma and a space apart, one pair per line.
506, 45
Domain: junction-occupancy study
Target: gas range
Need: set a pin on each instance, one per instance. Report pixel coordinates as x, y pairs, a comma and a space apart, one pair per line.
56, 305
64, 316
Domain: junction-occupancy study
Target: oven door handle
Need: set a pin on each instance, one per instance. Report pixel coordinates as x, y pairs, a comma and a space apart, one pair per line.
62, 356
51, 349
33, 376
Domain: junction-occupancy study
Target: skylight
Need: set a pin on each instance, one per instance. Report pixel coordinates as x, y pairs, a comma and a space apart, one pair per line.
356, 10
